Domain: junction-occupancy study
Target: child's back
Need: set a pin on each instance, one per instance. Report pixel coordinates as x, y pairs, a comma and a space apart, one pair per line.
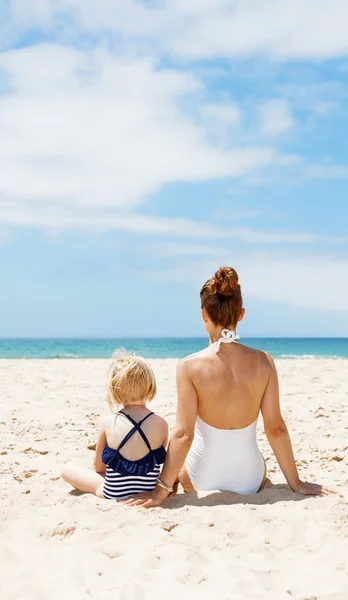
118, 426
132, 442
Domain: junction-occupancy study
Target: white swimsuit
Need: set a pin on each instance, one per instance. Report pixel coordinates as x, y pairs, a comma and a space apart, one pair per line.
225, 459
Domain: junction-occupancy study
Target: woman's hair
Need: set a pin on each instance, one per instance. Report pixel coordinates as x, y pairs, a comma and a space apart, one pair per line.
221, 297
130, 378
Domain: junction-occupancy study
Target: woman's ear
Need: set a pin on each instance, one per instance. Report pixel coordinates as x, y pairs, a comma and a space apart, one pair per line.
204, 315
242, 315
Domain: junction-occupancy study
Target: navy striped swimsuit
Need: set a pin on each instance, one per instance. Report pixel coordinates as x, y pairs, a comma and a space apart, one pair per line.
125, 477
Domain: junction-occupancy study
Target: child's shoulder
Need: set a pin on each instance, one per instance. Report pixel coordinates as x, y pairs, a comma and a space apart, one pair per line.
159, 421
106, 420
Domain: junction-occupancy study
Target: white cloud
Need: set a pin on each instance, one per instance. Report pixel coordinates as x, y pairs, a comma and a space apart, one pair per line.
203, 28
29, 14
276, 117
314, 101
235, 212
227, 113
326, 171
5, 235
60, 218
307, 281
221, 120
85, 132
92, 125
297, 29
325, 108
196, 28
90, 130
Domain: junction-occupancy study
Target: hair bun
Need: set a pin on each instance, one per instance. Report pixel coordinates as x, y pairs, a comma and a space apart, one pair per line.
225, 282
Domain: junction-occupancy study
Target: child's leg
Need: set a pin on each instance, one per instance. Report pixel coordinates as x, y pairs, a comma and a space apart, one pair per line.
84, 480
185, 480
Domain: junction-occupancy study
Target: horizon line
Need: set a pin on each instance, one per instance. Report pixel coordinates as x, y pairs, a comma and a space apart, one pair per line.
193, 337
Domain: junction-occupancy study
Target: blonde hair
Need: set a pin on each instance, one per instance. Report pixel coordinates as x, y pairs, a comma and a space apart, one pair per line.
130, 377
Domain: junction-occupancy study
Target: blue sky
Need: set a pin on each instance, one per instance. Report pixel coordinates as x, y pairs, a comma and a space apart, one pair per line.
143, 144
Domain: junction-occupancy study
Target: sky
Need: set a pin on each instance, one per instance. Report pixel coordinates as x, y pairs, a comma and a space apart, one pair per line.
144, 144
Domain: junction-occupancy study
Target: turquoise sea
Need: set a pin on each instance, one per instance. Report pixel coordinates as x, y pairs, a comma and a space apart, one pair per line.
166, 347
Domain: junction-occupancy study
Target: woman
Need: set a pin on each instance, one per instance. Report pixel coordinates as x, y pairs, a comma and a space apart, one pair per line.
221, 391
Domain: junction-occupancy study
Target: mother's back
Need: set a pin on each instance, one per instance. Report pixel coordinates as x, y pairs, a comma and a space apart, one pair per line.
230, 382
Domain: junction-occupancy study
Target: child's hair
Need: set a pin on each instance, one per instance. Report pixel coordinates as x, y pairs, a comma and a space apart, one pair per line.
131, 377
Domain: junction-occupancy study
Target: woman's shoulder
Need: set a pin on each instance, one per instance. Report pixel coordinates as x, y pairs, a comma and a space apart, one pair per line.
194, 362
254, 351
202, 358
258, 356
196, 356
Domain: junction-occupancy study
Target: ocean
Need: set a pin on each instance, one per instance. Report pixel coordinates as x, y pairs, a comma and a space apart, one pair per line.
166, 347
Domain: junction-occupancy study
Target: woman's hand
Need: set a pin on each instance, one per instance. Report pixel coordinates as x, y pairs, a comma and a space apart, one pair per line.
148, 499
313, 489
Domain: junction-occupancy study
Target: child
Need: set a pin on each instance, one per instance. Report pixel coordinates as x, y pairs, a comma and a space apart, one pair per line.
132, 442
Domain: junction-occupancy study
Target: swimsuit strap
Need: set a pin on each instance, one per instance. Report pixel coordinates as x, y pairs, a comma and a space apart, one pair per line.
137, 427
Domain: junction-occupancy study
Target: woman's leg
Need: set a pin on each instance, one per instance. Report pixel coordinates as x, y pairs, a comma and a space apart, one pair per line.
185, 480
84, 480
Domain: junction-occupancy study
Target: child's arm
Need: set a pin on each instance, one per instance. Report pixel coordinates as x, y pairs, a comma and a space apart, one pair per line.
99, 466
166, 439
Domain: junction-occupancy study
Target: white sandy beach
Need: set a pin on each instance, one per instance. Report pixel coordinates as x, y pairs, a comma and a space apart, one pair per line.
58, 544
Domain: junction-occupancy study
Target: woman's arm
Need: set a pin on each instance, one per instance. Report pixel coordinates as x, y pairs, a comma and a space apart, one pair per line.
180, 441
99, 466
182, 437
279, 439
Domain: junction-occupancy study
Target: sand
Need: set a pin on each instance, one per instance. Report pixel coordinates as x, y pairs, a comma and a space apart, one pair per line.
56, 543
